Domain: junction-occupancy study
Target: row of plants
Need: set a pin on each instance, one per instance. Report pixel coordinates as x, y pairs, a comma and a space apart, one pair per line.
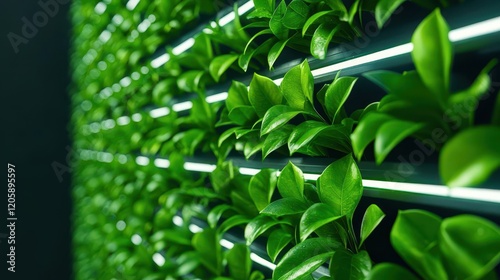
305, 224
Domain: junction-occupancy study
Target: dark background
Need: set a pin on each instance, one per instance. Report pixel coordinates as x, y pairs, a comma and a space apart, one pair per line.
34, 113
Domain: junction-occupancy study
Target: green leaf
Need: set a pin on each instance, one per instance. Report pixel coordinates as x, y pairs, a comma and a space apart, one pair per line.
315, 217
298, 86
261, 187
389, 271
258, 226
220, 64
215, 214
340, 186
291, 182
207, 245
226, 134
276, 117
275, 52
390, 134
263, 94
432, 53
336, 95
239, 262
349, 266
305, 258
338, 8
232, 222
276, 242
285, 206
262, 32
251, 148
276, 22
414, 236
470, 246
311, 20
372, 218
470, 157
257, 275
190, 81
245, 58
296, 14
304, 133
353, 10
321, 39
276, 139
237, 96
384, 10
242, 115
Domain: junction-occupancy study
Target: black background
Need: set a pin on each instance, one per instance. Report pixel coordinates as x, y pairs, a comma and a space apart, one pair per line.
35, 133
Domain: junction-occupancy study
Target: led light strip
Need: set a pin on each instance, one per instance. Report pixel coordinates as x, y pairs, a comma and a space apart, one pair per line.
460, 34
478, 194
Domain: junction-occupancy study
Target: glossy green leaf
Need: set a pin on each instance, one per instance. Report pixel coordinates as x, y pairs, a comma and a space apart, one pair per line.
260, 33
285, 206
220, 64
291, 182
237, 96
336, 96
276, 139
261, 187
276, 242
263, 9
470, 157
207, 245
257, 275
239, 262
242, 115
414, 236
275, 52
190, 81
232, 222
338, 8
353, 10
321, 39
366, 131
311, 20
244, 59
315, 217
263, 94
390, 134
432, 53
298, 86
470, 246
215, 214
258, 226
226, 134
389, 271
304, 133
296, 14
340, 186
384, 10
305, 258
276, 22
252, 148
276, 117
349, 266
372, 218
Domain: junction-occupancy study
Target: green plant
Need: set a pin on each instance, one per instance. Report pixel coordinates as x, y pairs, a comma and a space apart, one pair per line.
419, 103
459, 247
316, 219
262, 114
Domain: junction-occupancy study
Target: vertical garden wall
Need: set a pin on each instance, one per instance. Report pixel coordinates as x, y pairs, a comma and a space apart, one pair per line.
304, 139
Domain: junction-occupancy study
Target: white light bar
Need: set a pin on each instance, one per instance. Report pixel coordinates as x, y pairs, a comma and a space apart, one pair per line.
241, 10
140, 160
137, 117
475, 30
161, 60
162, 163
158, 259
194, 228
124, 120
131, 4
105, 35
184, 46
199, 167
226, 244
183, 106
160, 112
100, 8
216, 97
256, 258
248, 171
136, 239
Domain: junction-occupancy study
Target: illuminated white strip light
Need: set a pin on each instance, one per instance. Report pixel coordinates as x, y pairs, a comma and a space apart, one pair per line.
186, 45
131, 4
